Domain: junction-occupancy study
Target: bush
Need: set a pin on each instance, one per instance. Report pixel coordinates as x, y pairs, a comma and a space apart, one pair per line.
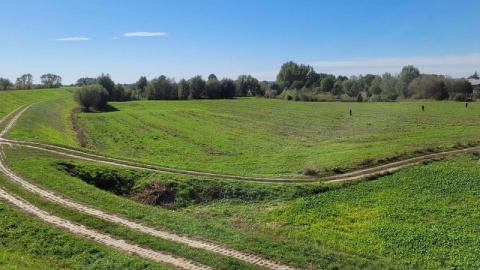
91, 97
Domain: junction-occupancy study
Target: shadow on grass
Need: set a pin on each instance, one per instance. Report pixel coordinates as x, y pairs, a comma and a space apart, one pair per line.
109, 108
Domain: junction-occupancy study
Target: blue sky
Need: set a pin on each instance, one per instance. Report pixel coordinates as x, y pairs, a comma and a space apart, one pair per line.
184, 38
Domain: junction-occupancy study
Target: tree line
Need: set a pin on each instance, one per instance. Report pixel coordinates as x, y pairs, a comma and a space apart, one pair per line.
96, 92
301, 82
26, 82
293, 82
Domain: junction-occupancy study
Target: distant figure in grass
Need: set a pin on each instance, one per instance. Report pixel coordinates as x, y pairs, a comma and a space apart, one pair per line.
466, 104
350, 112
423, 108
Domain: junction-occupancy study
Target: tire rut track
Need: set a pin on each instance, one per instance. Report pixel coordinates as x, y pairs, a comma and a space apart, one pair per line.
212, 247
101, 237
216, 248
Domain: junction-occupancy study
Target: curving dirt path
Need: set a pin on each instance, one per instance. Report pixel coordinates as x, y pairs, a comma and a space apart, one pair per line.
184, 264
101, 237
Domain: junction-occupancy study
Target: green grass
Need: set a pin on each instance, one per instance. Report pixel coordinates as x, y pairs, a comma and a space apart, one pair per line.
10, 100
118, 231
47, 121
28, 243
43, 169
273, 137
258, 136
424, 217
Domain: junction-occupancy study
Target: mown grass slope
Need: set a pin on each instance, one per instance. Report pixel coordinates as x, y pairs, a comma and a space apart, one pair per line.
10, 100
264, 137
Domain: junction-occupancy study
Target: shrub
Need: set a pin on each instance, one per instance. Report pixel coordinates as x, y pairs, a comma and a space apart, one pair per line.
91, 97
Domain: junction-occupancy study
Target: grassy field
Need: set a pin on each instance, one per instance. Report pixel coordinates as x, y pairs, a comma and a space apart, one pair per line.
423, 217
10, 100
258, 137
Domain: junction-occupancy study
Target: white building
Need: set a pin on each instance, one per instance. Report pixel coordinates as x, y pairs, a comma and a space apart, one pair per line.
476, 87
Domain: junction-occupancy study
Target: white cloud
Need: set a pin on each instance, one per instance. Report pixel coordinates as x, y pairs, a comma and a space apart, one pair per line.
145, 34
453, 65
73, 39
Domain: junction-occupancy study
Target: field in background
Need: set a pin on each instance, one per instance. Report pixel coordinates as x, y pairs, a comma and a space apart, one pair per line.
10, 100
258, 137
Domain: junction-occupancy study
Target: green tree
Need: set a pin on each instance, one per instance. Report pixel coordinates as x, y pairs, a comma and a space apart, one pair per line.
337, 88
51, 80
248, 85
388, 85
368, 80
142, 84
91, 97
120, 92
84, 81
228, 88
352, 86
424, 87
212, 87
375, 85
106, 82
24, 82
291, 72
162, 88
407, 75
183, 89
327, 84
459, 89
196, 87
5, 84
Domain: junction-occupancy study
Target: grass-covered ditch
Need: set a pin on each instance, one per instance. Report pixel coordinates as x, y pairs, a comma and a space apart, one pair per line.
173, 191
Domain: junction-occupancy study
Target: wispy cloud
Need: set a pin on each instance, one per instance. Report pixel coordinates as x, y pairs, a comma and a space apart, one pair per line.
401, 61
453, 65
73, 39
145, 34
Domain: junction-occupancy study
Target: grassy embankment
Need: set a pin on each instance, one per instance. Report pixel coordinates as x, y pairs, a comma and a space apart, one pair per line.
259, 137
424, 217
44, 169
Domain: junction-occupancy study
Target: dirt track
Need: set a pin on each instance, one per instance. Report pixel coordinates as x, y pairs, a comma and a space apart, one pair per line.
103, 238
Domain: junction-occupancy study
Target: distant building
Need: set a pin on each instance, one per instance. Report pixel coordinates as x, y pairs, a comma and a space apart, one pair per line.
476, 87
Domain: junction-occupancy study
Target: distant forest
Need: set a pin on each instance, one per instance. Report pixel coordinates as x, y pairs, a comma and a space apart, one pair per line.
294, 81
